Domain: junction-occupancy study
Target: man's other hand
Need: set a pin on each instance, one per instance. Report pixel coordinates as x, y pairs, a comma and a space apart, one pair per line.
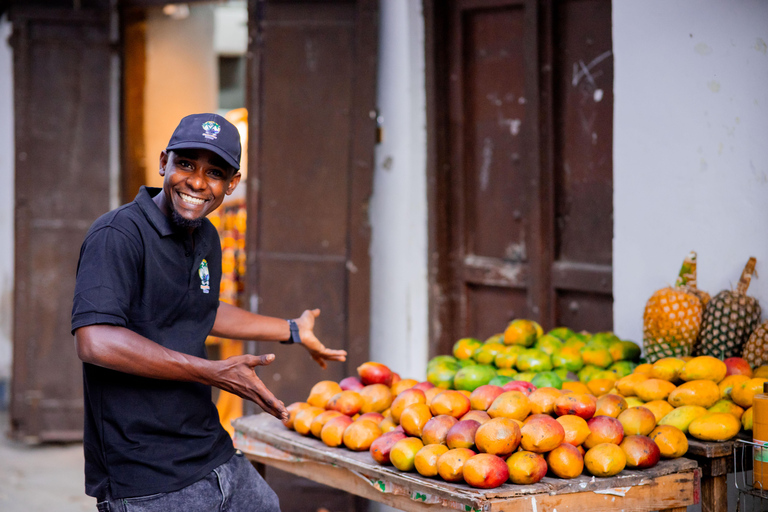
236, 375
318, 351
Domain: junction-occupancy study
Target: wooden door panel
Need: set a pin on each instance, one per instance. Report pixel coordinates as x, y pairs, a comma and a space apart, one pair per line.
491, 307
311, 92
583, 165
303, 283
521, 171
306, 153
496, 183
584, 311
584, 121
62, 114
490, 212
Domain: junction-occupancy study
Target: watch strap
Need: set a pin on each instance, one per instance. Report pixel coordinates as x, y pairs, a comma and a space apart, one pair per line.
295, 338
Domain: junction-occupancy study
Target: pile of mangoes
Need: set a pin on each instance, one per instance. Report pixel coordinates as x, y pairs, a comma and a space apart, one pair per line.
705, 397
494, 434
524, 352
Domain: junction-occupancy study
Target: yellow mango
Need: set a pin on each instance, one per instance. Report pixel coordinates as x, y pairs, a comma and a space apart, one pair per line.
667, 368
715, 426
633, 401
643, 368
726, 385
671, 441
743, 394
659, 408
683, 416
576, 387
704, 368
696, 392
746, 419
728, 407
626, 385
654, 389
761, 372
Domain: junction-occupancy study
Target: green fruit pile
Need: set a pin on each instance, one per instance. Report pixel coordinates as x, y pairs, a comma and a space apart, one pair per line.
524, 352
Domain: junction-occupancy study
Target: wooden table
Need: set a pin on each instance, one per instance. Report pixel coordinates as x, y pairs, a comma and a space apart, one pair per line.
715, 461
670, 485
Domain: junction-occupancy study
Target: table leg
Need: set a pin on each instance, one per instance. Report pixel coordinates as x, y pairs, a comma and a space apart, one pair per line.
714, 494
714, 486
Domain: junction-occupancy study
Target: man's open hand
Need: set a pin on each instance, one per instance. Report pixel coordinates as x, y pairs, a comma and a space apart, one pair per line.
318, 351
236, 375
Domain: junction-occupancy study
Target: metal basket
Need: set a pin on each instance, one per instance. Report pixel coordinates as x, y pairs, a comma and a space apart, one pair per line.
750, 469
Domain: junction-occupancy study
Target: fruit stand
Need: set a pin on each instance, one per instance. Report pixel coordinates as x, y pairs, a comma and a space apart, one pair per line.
669, 485
528, 420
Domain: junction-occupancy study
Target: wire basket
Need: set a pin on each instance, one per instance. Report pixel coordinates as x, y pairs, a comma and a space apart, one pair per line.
750, 469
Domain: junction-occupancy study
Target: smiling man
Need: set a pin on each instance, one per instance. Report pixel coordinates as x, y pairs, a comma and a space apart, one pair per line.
146, 298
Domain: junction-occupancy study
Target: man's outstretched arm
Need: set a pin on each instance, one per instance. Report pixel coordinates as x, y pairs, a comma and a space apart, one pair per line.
121, 349
235, 323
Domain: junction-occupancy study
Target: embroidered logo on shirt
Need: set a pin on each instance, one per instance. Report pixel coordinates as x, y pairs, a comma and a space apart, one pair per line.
212, 130
205, 277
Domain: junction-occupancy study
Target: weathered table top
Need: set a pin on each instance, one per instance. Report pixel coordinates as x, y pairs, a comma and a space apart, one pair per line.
712, 449
670, 484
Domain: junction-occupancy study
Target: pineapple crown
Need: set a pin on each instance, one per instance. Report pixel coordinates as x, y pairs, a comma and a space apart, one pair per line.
746, 276
687, 275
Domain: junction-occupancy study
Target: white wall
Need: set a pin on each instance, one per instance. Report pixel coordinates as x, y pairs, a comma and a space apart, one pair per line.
398, 209
690, 147
6, 200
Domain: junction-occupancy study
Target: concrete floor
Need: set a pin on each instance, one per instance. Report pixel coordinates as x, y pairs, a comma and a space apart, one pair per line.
45, 478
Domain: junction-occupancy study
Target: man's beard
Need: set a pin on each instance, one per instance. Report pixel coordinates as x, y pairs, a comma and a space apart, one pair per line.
183, 223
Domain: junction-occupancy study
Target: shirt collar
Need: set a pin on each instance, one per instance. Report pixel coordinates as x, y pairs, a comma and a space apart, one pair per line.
160, 222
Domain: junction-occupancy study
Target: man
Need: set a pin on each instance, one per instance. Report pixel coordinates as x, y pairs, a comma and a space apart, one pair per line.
146, 298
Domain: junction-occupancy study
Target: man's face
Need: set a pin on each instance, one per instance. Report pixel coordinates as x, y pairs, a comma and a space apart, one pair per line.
195, 183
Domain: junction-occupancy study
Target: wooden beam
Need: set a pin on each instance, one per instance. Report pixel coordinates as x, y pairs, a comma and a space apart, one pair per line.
495, 272
582, 277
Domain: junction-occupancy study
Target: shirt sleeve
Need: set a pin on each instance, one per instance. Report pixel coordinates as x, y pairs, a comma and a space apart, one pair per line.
107, 278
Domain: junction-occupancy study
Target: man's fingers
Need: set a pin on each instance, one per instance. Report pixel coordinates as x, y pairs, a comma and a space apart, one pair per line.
277, 410
261, 360
269, 402
316, 312
335, 355
319, 360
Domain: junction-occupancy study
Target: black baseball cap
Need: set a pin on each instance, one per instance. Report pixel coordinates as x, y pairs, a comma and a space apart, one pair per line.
208, 131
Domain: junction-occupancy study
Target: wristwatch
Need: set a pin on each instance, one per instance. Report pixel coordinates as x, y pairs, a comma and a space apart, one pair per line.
294, 334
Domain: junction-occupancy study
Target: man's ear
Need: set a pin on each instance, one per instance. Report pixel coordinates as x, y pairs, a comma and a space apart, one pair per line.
163, 162
233, 183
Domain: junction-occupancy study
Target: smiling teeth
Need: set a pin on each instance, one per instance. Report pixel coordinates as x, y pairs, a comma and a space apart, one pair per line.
190, 199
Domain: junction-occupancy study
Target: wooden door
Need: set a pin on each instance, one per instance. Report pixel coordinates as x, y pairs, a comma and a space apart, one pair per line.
312, 76
62, 62
520, 165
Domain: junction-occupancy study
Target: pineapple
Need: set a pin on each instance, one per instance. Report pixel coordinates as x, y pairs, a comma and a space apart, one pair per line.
756, 349
672, 316
728, 319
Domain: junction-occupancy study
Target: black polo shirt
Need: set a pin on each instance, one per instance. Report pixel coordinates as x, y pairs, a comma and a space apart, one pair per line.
136, 270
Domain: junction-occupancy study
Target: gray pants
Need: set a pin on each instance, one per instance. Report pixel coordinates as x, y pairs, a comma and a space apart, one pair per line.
235, 486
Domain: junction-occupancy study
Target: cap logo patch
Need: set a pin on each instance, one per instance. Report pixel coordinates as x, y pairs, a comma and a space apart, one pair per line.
211, 130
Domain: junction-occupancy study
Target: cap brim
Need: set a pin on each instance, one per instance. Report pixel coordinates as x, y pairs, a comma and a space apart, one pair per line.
210, 147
